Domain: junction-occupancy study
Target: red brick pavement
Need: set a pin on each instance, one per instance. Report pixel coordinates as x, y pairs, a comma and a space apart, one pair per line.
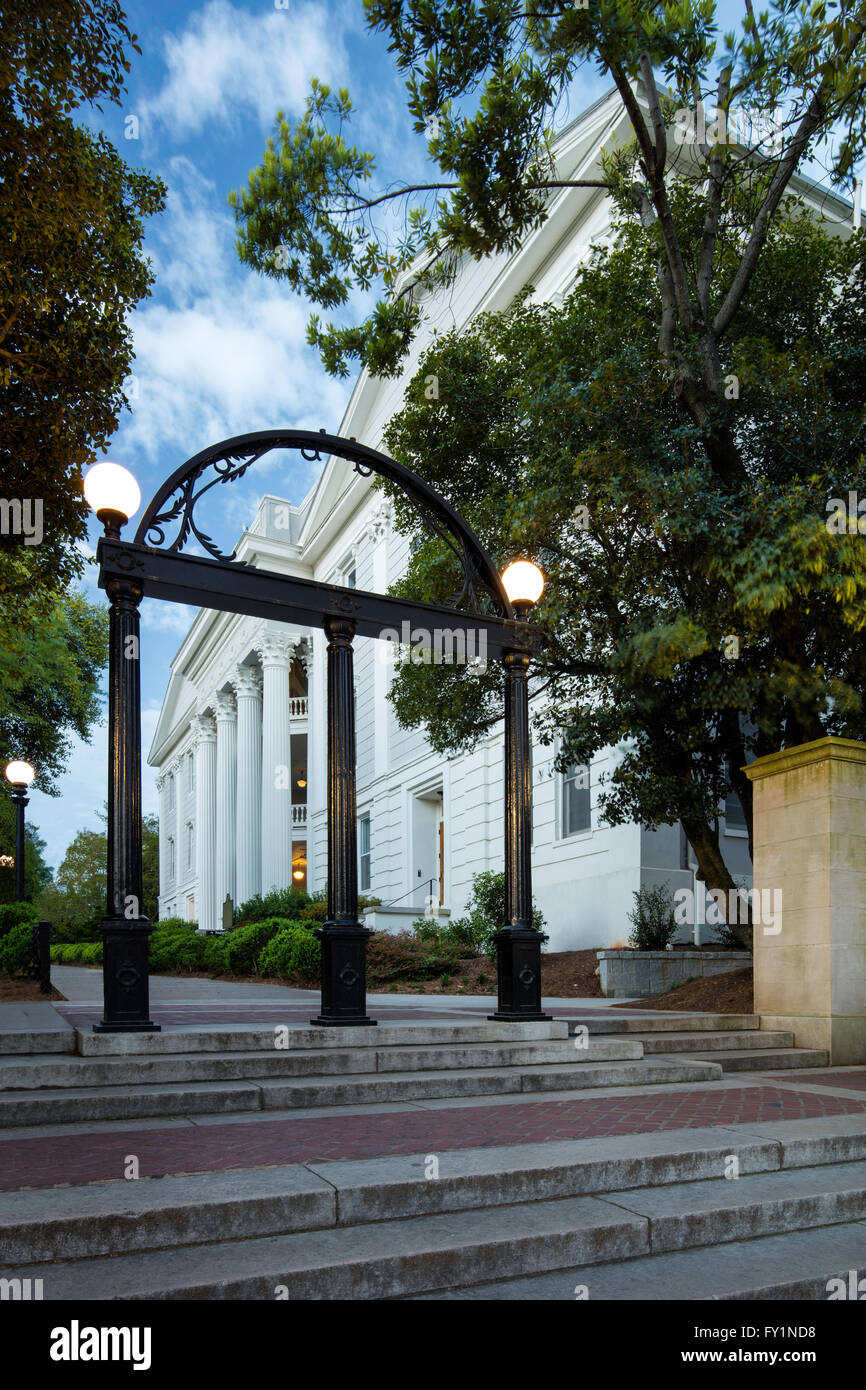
845, 1078
46, 1161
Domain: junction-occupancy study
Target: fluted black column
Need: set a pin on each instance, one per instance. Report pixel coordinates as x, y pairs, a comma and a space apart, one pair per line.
125, 929
343, 937
518, 945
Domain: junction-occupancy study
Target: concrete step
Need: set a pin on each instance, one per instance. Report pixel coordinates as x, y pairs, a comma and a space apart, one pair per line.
384, 1259
136, 1101
404, 1255
32, 1072
628, 1021
765, 1059
664, 1043
258, 1037
799, 1265
147, 1214
432, 1085
55, 1107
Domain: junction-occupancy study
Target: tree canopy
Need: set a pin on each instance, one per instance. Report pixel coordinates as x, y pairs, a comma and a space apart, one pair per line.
74, 902
695, 626
54, 656
71, 268
664, 443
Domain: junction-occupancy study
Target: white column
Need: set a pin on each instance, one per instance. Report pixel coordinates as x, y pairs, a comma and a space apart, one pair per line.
276, 654
226, 797
177, 769
317, 764
162, 791
248, 688
207, 911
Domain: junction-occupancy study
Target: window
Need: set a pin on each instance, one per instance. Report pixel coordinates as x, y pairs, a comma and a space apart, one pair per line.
171, 792
190, 772
190, 909
735, 816
576, 808
364, 854
350, 578
172, 860
190, 845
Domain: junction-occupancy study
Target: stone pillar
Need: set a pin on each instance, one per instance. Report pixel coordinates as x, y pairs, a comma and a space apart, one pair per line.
810, 871
226, 797
276, 654
248, 689
206, 908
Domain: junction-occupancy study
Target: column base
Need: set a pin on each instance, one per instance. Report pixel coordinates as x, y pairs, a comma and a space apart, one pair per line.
344, 975
360, 1022
518, 972
125, 976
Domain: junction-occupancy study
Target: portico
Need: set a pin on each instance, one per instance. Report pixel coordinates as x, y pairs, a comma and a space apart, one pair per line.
232, 809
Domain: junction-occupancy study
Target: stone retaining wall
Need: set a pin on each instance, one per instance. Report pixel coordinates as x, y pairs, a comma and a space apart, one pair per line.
638, 974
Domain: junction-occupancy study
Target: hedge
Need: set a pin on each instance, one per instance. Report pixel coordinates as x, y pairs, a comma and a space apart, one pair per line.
293, 951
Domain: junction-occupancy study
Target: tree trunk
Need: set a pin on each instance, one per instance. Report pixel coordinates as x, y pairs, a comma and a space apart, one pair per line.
712, 869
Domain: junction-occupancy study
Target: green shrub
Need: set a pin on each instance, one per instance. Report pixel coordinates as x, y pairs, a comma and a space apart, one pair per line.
293, 951
486, 914
457, 934
177, 948
175, 924
652, 919
91, 952
244, 945
316, 909
17, 952
78, 931
11, 914
282, 902
401, 955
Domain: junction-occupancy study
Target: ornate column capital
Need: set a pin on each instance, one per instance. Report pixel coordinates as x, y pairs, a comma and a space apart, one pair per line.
275, 649
247, 680
379, 522
203, 728
224, 705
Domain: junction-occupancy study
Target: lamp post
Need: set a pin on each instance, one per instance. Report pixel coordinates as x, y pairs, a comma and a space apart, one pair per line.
20, 774
518, 944
114, 496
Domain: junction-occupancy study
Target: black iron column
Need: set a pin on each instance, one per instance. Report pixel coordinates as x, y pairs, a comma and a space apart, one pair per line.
21, 799
518, 944
125, 929
343, 936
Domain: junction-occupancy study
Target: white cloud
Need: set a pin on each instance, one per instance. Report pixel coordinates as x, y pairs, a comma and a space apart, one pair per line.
229, 61
223, 350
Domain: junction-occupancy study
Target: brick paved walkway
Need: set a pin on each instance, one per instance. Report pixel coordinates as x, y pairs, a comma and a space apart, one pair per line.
46, 1161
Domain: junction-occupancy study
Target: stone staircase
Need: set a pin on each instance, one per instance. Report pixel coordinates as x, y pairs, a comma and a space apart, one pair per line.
647, 1216
207, 1070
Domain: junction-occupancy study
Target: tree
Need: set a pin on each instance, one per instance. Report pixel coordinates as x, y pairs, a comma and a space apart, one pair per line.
75, 902
699, 209
55, 653
695, 626
71, 267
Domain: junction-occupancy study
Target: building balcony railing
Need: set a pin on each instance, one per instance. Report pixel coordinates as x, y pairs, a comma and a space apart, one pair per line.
299, 815
298, 707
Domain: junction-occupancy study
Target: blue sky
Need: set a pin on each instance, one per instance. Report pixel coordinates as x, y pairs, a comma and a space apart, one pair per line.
220, 350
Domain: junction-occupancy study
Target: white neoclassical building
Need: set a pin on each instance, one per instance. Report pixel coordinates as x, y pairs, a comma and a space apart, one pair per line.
240, 742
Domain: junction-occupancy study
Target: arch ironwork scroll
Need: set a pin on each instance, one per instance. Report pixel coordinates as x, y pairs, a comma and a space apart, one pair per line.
173, 506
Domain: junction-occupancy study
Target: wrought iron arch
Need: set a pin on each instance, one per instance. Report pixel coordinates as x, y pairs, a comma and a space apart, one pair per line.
229, 460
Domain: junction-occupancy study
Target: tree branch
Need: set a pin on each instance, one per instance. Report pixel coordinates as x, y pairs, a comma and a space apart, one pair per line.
714, 206
809, 123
